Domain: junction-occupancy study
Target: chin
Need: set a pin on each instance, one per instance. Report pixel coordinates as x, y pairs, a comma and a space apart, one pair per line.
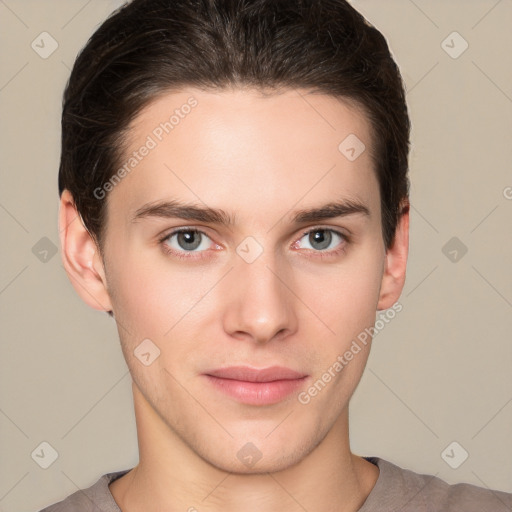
261, 456
260, 467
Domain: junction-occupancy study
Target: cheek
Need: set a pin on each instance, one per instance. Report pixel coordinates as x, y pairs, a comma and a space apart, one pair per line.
152, 295
348, 307
140, 295
346, 298
157, 304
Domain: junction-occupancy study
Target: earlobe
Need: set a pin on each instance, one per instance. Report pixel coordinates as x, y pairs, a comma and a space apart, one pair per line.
393, 279
80, 256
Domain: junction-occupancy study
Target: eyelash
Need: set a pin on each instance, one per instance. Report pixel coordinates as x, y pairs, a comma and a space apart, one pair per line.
319, 254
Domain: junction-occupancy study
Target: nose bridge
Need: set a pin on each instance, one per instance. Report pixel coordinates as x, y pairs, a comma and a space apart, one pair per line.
261, 304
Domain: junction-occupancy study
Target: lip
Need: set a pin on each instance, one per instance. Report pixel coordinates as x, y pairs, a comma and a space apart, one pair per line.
256, 386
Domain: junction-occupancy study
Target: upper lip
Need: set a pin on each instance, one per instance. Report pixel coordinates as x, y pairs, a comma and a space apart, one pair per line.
248, 374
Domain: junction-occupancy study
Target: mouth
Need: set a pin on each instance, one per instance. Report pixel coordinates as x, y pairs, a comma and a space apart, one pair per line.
255, 386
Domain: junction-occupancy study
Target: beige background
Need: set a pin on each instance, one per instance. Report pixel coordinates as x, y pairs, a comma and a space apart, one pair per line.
438, 373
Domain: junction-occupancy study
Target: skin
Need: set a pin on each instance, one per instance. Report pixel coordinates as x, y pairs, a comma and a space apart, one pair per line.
258, 158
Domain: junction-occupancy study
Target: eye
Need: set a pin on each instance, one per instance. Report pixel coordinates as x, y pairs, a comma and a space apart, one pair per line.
320, 239
184, 240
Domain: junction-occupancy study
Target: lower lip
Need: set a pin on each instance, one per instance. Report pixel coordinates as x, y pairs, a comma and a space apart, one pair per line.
257, 393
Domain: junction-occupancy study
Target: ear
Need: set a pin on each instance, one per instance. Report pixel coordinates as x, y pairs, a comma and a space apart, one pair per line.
393, 278
81, 257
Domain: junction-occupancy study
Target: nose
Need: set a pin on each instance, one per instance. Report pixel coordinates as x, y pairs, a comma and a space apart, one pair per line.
261, 305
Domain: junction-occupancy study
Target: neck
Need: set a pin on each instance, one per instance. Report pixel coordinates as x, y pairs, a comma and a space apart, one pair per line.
171, 476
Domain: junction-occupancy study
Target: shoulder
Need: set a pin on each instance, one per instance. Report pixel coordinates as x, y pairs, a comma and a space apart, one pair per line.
402, 489
96, 498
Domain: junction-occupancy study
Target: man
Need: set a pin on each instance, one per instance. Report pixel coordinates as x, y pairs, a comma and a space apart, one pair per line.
234, 193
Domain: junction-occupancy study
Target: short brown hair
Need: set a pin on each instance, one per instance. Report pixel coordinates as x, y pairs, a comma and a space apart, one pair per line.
149, 47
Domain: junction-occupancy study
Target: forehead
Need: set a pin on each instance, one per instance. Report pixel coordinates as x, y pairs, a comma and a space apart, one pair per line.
245, 149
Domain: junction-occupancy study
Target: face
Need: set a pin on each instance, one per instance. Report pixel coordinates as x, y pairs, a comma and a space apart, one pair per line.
277, 285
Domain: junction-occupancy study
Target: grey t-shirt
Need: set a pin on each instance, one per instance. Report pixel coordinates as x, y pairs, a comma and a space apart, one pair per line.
396, 490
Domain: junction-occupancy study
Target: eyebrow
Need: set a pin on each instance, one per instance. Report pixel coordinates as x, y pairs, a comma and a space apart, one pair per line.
180, 210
